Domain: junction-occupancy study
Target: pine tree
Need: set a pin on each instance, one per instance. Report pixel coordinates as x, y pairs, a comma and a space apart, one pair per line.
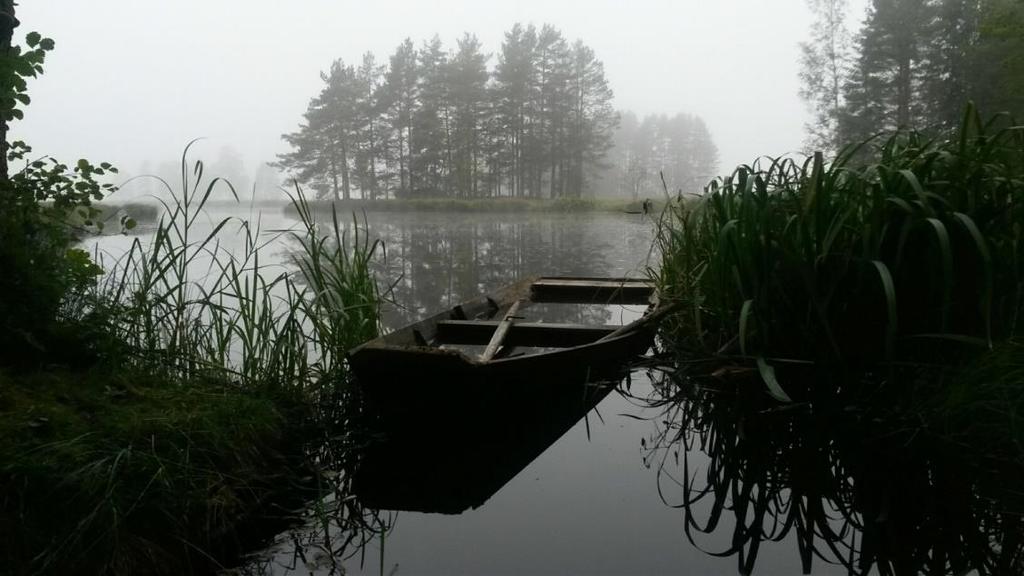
884, 91
553, 102
996, 60
399, 98
467, 73
431, 130
308, 161
324, 145
514, 76
592, 119
372, 133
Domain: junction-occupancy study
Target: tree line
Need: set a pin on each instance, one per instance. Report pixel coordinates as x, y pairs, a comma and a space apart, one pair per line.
678, 149
913, 64
435, 122
439, 123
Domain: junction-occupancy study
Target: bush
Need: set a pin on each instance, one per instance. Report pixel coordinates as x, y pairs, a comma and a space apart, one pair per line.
913, 256
42, 269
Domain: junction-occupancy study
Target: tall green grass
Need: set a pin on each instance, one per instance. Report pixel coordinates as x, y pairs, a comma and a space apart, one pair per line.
185, 305
904, 250
219, 388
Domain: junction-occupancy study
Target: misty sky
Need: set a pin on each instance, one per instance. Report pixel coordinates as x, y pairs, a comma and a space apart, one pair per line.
134, 80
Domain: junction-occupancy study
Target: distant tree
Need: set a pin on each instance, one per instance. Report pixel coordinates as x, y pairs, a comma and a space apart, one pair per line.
372, 133
324, 146
592, 119
308, 160
467, 77
552, 104
230, 166
431, 134
678, 148
995, 63
824, 64
399, 97
884, 91
513, 79
266, 183
948, 43
434, 122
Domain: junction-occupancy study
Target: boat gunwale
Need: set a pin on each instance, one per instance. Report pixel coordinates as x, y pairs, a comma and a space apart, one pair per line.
504, 297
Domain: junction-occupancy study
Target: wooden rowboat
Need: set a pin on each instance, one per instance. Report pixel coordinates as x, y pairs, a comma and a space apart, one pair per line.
488, 377
442, 354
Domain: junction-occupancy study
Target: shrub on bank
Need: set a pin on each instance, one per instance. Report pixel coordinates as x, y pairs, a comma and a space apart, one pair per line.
202, 385
897, 256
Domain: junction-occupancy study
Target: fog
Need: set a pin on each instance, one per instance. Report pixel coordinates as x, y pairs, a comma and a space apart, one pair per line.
131, 82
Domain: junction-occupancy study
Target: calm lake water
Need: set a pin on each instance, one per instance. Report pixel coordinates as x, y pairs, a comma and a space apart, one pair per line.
642, 485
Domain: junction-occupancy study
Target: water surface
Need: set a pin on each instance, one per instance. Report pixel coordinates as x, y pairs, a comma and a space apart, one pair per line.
651, 481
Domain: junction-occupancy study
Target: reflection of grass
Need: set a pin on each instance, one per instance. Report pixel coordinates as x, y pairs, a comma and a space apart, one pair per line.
484, 205
198, 387
844, 487
984, 405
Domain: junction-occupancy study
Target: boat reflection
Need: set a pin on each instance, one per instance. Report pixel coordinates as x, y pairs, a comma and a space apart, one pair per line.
454, 465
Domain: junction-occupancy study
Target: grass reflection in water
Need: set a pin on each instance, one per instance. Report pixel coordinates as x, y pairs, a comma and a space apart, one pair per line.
849, 489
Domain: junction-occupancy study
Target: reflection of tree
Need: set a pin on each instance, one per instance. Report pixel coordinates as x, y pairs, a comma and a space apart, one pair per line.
842, 488
439, 260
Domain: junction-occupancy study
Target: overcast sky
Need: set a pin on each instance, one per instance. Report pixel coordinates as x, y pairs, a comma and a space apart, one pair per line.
134, 80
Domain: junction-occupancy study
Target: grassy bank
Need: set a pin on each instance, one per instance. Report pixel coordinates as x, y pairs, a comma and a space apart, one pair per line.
123, 473
895, 268
183, 399
499, 205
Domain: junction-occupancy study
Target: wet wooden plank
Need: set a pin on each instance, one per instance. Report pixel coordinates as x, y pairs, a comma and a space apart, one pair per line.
538, 334
592, 290
500, 332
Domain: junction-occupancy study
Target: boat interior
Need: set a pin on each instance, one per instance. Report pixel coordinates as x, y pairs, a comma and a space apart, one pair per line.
533, 315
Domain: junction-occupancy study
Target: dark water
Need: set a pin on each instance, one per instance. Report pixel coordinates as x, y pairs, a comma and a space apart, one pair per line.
663, 477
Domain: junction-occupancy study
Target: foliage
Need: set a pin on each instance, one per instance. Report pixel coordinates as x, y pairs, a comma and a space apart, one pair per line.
187, 308
824, 60
913, 257
42, 268
913, 65
438, 124
243, 377
995, 63
676, 152
17, 64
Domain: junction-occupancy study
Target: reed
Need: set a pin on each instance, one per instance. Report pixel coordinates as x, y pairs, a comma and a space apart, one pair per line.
190, 308
868, 494
900, 251
215, 385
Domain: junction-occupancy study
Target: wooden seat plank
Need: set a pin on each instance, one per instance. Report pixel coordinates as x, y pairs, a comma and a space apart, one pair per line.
535, 334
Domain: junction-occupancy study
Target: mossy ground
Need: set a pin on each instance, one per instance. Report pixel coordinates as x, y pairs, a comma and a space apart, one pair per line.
107, 472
